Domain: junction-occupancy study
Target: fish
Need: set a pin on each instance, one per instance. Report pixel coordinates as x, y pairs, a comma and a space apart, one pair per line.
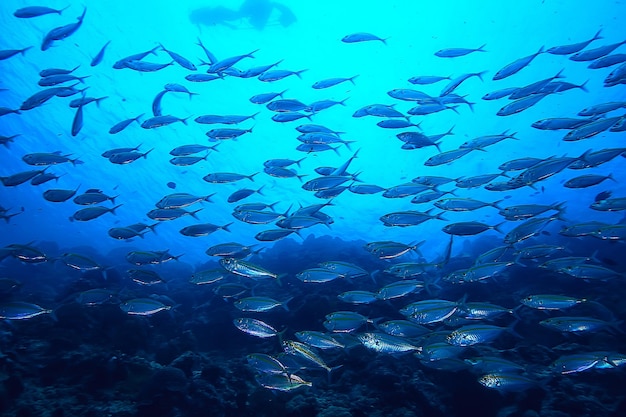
408, 218
36, 11
141, 258
181, 200
123, 158
39, 159
570, 324
118, 127
584, 181
426, 79
473, 334
99, 56
94, 212
224, 134
318, 340
266, 364
592, 54
457, 52
203, 229
8, 53
180, 60
93, 196
508, 382
429, 311
226, 63
159, 121
223, 119
344, 321
399, 289
362, 37
58, 195
20, 177
62, 32
208, 276
516, 66
469, 228
18, 310
331, 82
145, 277
246, 269
385, 343
260, 304
282, 382
551, 301
573, 48
455, 82
143, 66
609, 204
226, 177
277, 75
357, 297
95, 296
171, 214
266, 97
318, 275
243, 193
230, 250
255, 327
143, 307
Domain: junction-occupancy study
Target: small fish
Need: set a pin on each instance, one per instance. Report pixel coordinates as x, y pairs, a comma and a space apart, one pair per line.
573, 48
143, 306
36, 11
246, 269
516, 66
255, 327
260, 304
457, 52
331, 82
384, 343
362, 37
318, 340
551, 301
579, 324
203, 229
507, 382
91, 213
18, 310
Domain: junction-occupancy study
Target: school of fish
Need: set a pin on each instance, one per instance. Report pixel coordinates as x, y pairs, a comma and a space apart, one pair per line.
409, 304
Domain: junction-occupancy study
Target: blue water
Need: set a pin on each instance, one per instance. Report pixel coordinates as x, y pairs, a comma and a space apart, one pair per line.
201, 322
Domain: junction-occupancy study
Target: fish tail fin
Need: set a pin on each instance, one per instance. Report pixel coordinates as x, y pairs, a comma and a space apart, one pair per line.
330, 371
497, 227
453, 108
482, 48
284, 305
251, 177
384, 41
226, 227
116, 207
300, 72
113, 198
598, 35
193, 214
208, 197
610, 177
480, 74
259, 190
351, 79
583, 86
153, 227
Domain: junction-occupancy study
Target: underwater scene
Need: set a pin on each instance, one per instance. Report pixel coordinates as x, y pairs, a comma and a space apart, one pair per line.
326, 209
